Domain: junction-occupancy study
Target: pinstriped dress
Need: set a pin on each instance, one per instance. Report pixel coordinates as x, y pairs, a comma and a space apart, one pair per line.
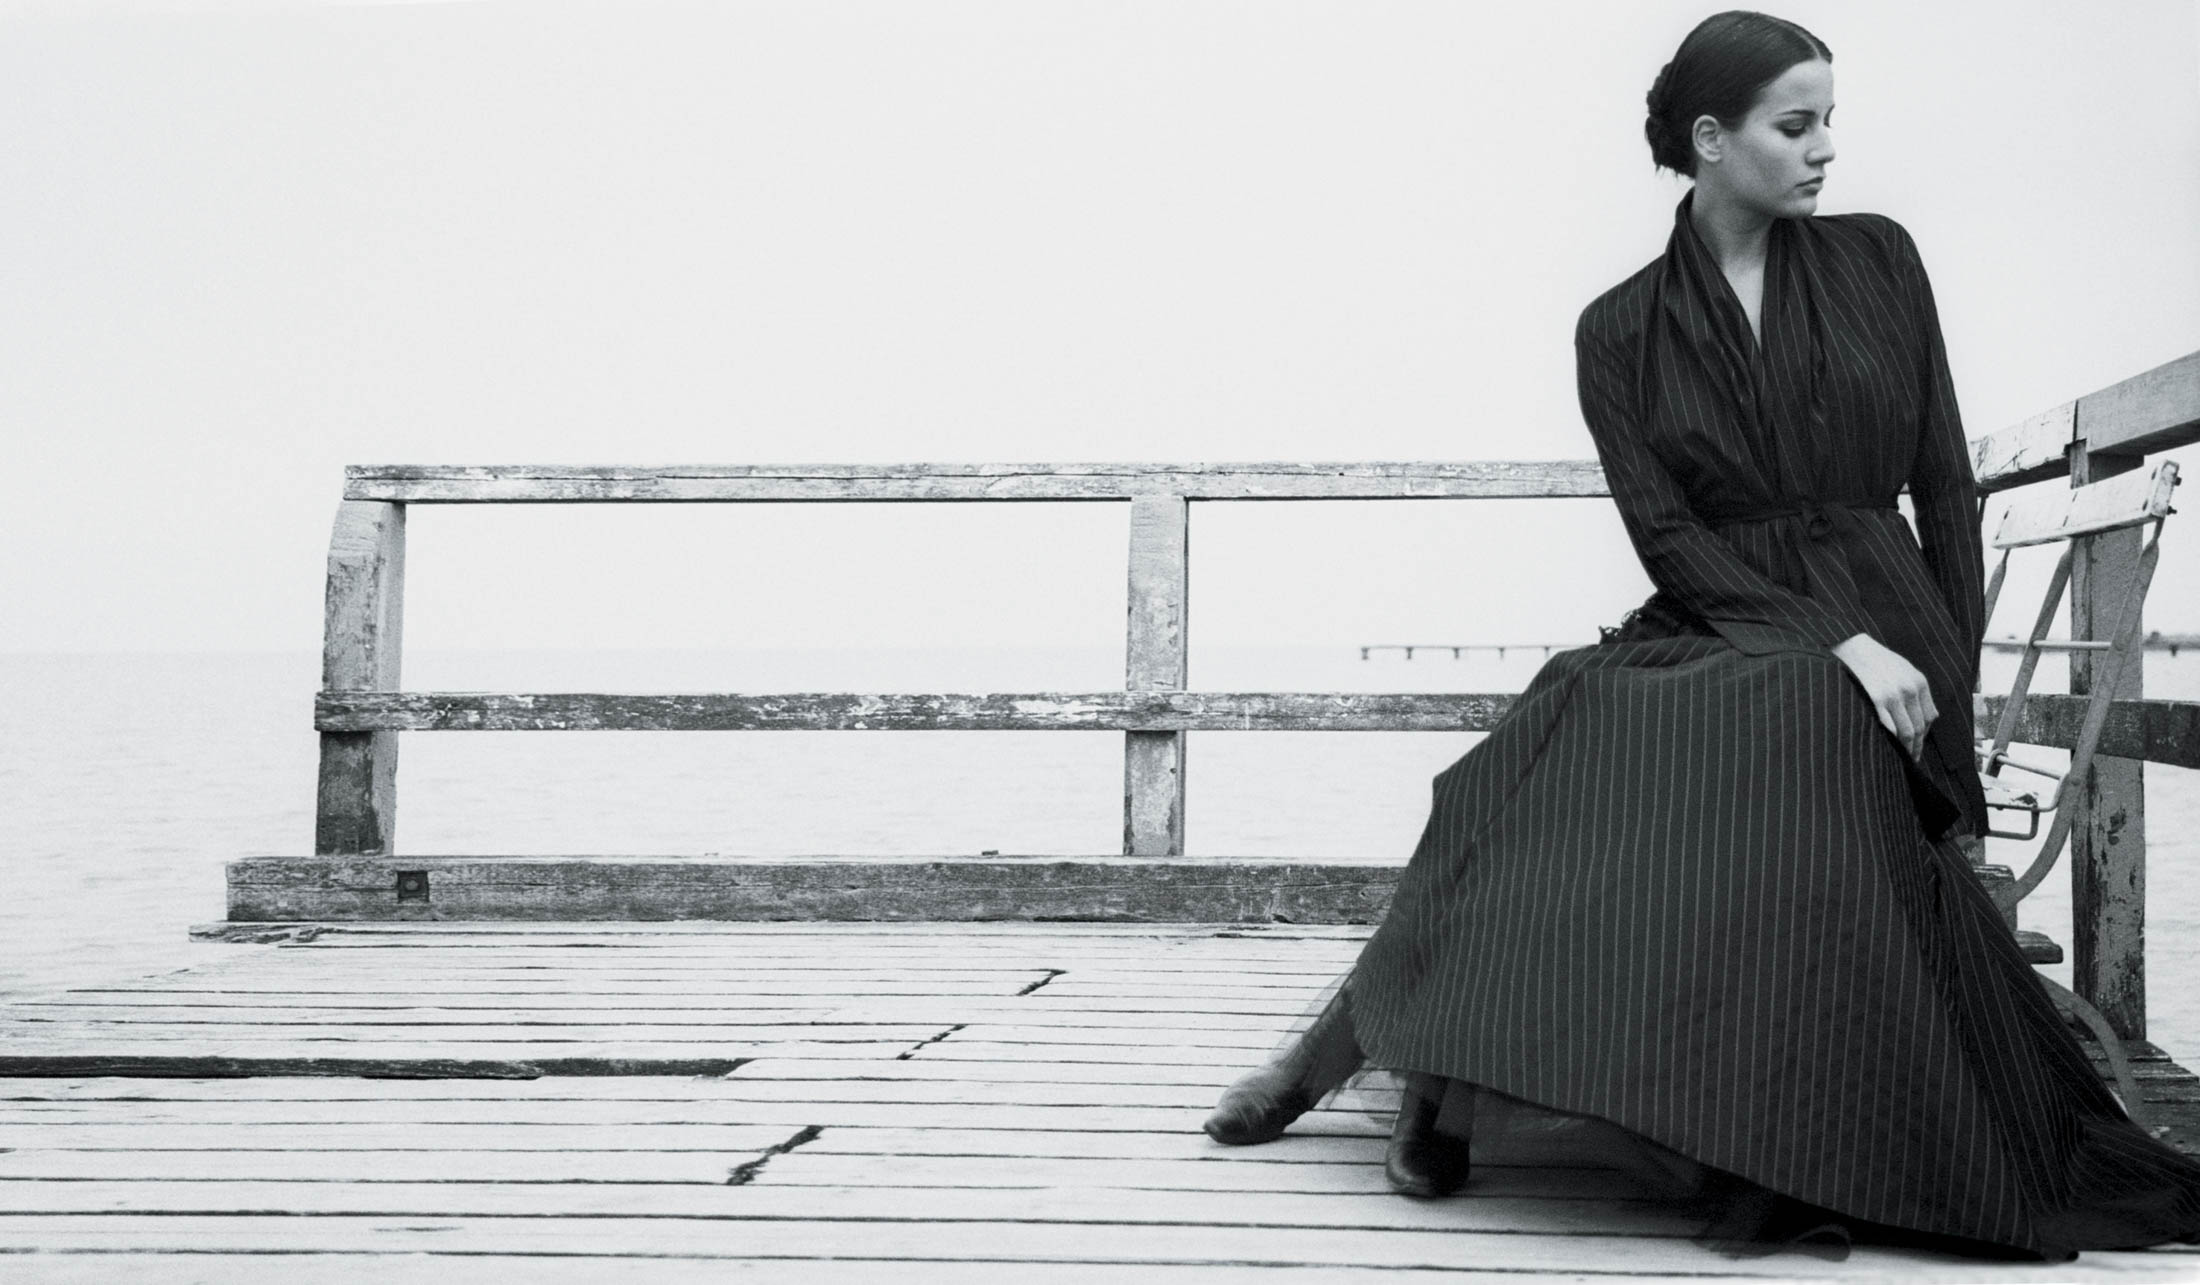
1689, 885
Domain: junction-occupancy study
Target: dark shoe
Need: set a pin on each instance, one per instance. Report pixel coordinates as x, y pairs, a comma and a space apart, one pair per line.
1259, 1106
1269, 1097
1421, 1161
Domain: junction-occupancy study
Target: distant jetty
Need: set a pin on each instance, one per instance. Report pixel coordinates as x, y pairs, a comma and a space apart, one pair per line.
2155, 640
1458, 650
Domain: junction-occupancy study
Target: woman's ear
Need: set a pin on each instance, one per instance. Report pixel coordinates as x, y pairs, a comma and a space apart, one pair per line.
1708, 138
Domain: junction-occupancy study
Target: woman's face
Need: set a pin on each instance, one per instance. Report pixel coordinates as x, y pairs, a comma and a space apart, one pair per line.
1775, 160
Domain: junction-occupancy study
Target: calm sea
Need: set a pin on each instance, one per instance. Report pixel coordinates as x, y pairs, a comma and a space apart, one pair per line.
127, 780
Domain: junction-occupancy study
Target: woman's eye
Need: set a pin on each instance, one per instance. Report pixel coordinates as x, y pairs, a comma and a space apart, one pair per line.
1792, 133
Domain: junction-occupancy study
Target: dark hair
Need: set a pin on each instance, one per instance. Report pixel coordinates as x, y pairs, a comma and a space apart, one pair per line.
1718, 71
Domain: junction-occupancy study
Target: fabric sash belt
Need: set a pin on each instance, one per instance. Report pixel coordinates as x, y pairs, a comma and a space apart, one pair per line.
1817, 522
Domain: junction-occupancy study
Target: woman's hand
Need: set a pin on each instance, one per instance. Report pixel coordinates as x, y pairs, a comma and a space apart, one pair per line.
1898, 691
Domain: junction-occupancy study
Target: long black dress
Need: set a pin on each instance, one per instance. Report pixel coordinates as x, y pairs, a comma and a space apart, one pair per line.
1689, 885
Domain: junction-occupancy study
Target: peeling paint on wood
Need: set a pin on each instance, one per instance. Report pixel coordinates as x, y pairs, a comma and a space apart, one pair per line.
555, 888
363, 638
2032, 451
2107, 833
1140, 711
1156, 658
2158, 731
1489, 479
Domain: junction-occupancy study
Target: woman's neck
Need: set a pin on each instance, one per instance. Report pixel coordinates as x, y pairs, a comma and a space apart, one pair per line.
1735, 233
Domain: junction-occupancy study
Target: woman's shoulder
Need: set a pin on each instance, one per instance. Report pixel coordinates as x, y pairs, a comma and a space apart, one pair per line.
1872, 238
1621, 312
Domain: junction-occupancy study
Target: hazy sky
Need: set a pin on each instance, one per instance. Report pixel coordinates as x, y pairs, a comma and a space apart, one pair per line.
242, 245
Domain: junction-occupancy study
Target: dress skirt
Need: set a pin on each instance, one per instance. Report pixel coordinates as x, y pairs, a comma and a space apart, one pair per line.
1687, 891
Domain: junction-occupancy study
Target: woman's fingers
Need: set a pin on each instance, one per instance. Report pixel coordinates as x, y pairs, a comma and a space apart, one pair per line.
1895, 718
1900, 694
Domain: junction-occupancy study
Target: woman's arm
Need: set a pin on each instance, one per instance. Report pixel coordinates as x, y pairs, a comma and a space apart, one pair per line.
1943, 489
1689, 561
1682, 555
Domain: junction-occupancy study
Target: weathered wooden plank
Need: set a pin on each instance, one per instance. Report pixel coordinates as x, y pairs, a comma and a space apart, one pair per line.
1242, 1171
325, 1135
1158, 959
2157, 410
144, 1058
265, 888
827, 1206
728, 982
741, 1094
965, 482
122, 1094
950, 970
1157, 657
928, 1242
378, 1166
580, 1267
311, 1010
969, 966
1155, 711
356, 799
770, 1103
1156, 942
1036, 1010
2158, 731
2032, 450
124, 1055
796, 991
1241, 1055
2134, 496
743, 1130
2108, 804
784, 1071
2170, 723
237, 1032
1083, 935
916, 1069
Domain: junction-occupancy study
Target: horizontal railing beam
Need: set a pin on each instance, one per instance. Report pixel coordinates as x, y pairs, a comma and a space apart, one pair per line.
1143, 711
2159, 731
2155, 410
2158, 410
528, 484
2021, 454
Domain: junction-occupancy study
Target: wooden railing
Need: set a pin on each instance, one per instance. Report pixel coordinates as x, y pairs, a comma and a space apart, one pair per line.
361, 710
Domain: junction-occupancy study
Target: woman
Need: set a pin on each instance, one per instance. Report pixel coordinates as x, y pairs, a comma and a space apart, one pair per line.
1706, 880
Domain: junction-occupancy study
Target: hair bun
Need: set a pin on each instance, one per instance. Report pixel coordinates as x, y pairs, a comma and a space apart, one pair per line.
1657, 125
1661, 90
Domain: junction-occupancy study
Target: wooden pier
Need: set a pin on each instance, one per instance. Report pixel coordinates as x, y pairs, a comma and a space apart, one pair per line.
772, 1102
849, 1068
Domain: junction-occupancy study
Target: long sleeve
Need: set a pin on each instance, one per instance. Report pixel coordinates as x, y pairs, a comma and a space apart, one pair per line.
1684, 557
1943, 489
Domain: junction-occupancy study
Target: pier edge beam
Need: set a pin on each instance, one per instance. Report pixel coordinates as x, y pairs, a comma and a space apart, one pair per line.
1156, 658
2108, 831
355, 812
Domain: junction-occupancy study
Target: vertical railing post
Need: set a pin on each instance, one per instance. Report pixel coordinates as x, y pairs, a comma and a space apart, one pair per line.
1156, 660
356, 804
2108, 842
